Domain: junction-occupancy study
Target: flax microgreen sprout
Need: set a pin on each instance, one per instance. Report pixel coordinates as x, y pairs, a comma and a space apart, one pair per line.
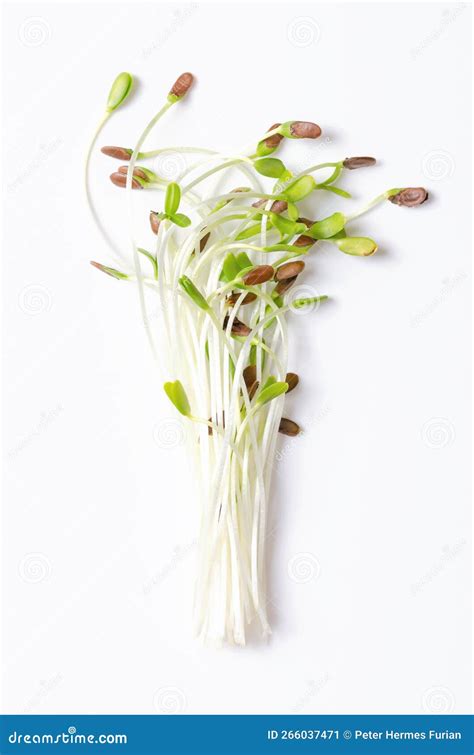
300, 130
188, 286
110, 271
215, 288
119, 92
178, 397
307, 302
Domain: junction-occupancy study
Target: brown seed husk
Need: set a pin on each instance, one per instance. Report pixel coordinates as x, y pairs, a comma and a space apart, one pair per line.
204, 241
102, 268
292, 379
253, 390
283, 286
305, 130
154, 222
119, 179
210, 429
248, 299
304, 241
182, 84
259, 274
352, 163
249, 375
279, 205
238, 328
289, 270
411, 197
272, 142
288, 427
308, 223
137, 172
238, 190
120, 153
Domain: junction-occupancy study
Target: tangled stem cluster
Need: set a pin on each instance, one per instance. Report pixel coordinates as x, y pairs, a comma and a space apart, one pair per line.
222, 266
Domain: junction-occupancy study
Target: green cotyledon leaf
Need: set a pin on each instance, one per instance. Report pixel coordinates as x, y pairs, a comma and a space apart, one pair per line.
188, 286
357, 246
300, 188
270, 392
119, 91
324, 229
247, 233
172, 198
271, 167
243, 260
230, 269
285, 226
178, 218
177, 396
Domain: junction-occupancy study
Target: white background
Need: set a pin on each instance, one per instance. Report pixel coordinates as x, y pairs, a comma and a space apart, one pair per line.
369, 551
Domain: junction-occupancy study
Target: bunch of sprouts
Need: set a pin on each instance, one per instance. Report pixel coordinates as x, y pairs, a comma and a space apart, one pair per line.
221, 265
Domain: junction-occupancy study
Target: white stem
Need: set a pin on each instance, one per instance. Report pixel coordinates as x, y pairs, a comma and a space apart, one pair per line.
136, 256
116, 252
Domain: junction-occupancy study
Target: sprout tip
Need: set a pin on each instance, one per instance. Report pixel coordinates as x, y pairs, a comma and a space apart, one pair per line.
180, 87
119, 91
411, 197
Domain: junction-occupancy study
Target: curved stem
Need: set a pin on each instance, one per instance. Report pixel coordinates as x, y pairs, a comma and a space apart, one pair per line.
366, 208
136, 257
225, 164
90, 202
